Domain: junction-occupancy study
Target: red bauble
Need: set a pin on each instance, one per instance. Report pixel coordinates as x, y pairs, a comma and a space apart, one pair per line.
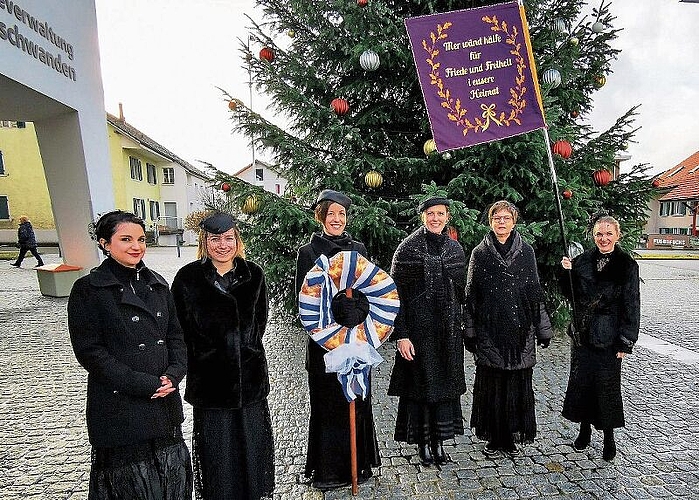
267, 54
453, 233
340, 106
362, 3
575, 113
567, 194
225, 187
656, 183
601, 177
562, 148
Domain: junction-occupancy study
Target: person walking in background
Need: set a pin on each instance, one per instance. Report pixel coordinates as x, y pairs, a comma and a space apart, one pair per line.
505, 320
125, 333
222, 304
26, 240
429, 270
607, 307
328, 456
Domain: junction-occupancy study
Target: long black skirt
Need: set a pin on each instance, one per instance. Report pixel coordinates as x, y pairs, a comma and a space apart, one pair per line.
233, 453
159, 469
503, 406
419, 423
328, 457
594, 388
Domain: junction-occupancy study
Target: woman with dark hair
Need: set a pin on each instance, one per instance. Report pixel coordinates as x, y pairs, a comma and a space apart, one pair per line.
429, 269
328, 455
125, 333
505, 320
607, 317
26, 240
222, 304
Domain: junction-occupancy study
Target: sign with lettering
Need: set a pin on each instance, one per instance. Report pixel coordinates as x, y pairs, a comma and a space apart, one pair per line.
477, 74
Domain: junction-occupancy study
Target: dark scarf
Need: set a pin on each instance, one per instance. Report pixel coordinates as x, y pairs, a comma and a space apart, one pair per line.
130, 277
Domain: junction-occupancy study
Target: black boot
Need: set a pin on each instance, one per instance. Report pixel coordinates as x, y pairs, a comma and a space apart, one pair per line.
425, 454
609, 450
438, 452
583, 440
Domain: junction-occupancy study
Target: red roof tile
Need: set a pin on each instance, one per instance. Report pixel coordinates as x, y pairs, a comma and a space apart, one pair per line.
681, 181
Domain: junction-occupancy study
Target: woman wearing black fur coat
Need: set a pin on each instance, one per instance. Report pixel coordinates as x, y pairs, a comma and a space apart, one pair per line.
221, 302
607, 318
328, 456
429, 270
505, 319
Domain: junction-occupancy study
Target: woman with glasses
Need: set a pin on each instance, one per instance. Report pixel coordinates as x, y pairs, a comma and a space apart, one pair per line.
607, 317
429, 269
505, 320
328, 463
222, 305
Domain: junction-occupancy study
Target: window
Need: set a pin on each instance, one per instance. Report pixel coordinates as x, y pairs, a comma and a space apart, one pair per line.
154, 210
278, 188
4, 208
151, 174
259, 174
676, 208
170, 211
136, 168
139, 208
168, 175
2, 164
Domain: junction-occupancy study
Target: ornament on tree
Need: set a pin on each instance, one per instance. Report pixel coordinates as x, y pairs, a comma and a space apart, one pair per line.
600, 81
453, 233
551, 77
267, 54
291, 33
225, 187
575, 113
562, 148
334, 18
624, 146
234, 103
429, 147
446, 155
373, 179
598, 27
362, 3
574, 41
656, 183
560, 25
340, 106
601, 177
369, 60
567, 194
251, 205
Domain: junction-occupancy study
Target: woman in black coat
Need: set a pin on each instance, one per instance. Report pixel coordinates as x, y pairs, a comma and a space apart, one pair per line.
607, 317
429, 270
222, 304
26, 240
328, 455
505, 319
125, 333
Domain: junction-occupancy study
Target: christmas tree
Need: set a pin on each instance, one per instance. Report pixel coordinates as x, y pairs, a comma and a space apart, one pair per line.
340, 74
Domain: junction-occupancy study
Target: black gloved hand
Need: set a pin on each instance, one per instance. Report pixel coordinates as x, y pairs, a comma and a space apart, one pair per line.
543, 343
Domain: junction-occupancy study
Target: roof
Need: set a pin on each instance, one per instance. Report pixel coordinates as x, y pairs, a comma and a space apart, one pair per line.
258, 163
681, 181
149, 143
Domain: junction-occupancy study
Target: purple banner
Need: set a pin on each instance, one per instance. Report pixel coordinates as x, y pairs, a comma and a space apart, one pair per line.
477, 74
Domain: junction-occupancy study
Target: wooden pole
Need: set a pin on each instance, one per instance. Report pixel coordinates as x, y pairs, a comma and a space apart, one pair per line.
353, 433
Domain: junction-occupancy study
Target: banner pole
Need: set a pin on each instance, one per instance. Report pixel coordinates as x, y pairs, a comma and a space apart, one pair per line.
353, 433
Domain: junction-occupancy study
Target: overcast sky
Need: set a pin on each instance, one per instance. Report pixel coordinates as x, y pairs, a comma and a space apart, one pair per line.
163, 60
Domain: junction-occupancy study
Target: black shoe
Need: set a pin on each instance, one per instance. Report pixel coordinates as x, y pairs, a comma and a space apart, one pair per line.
490, 451
425, 454
438, 452
583, 440
609, 450
14, 264
513, 451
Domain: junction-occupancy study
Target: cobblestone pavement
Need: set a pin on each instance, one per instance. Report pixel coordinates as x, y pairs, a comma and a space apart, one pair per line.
44, 453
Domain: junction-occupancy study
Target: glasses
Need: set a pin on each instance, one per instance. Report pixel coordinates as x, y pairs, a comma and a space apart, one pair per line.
217, 240
502, 218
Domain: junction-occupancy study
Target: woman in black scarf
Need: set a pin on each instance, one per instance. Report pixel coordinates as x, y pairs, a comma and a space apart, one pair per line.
607, 317
505, 319
328, 455
429, 270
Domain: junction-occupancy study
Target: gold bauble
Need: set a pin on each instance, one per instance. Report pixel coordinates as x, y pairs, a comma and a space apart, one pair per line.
373, 179
429, 147
251, 205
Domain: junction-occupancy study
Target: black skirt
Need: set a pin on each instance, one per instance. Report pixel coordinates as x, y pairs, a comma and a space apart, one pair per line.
594, 388
233, 453
419, 423
159, 469
503, 406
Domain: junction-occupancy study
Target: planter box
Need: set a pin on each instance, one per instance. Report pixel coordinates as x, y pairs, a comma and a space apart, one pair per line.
56, 280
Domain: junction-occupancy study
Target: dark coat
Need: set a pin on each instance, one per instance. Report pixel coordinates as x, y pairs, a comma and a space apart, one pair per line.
25, 235
305, 260
607, 302
505, 313
126, 343
223, 331
431, 290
